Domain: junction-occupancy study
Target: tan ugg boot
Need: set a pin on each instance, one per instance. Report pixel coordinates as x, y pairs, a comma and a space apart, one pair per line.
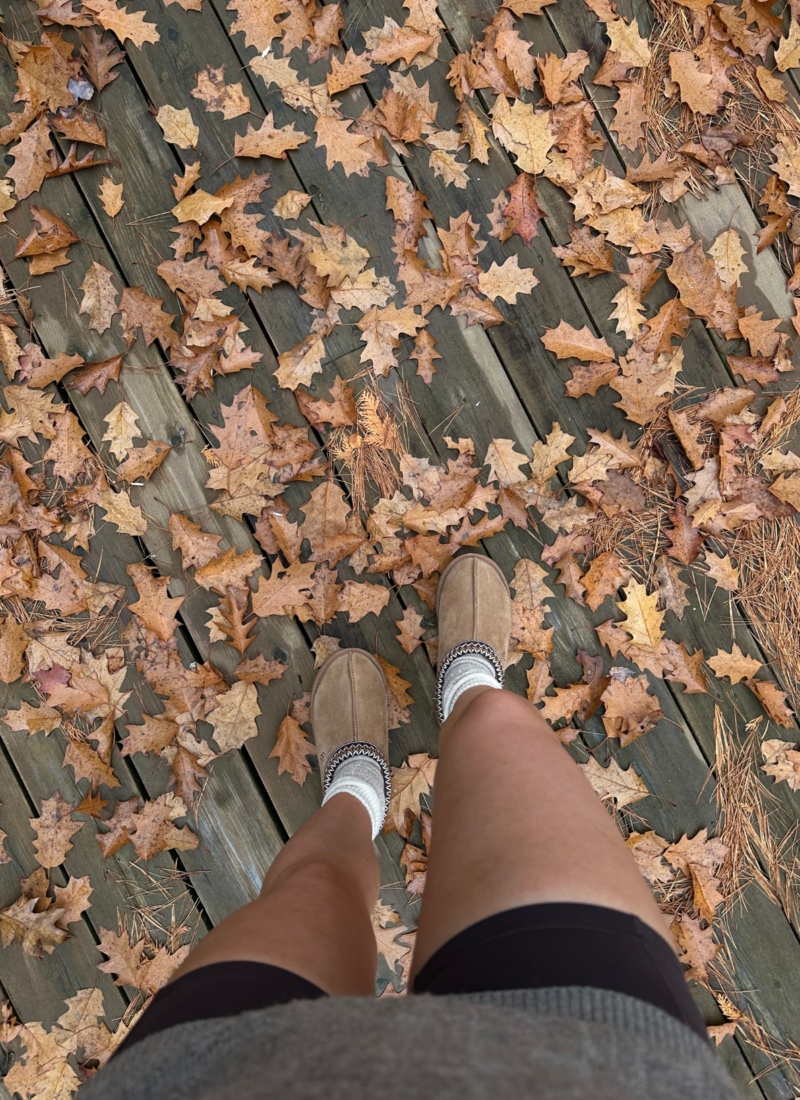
350, 713
473, 603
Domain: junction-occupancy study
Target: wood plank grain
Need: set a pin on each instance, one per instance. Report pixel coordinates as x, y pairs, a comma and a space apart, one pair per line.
38, 987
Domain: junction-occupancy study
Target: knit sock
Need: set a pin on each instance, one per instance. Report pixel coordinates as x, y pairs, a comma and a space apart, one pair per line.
467, 671
363, 779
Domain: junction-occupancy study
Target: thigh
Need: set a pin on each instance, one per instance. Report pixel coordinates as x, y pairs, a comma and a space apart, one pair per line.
220, 989
563, 944
517, 823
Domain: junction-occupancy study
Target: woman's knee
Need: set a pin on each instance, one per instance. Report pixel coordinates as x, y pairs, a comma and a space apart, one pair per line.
493, 706
315, 876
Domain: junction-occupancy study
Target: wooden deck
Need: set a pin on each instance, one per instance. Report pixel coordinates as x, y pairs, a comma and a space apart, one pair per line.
501, 382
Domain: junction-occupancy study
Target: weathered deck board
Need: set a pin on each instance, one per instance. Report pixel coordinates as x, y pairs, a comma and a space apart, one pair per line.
161, 414
294, 804
227, 816
578, 28
73, 964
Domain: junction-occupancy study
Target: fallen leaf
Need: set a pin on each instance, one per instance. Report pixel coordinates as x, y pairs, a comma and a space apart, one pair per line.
111, 197
229, 99
696, 945
178, 126
523, 132
613, 783
409, 783
643, 621
123, 23
128, 961
630, 711
142, 462
399, 699
268, 141
72, 900
565, 341
506, 281
292, 748
99, 297
605, 575
727, 253
291, 205
35, 932
234, 716
626, 42
53, 830
787, 54
773, 700
522, 212
154, 608
723, 571
122, 429
734, 665
781, 761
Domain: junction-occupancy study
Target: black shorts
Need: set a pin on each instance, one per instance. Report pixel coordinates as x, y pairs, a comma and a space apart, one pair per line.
532, 947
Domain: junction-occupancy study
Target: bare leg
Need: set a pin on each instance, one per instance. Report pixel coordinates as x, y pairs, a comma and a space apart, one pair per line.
313, 914
516, 823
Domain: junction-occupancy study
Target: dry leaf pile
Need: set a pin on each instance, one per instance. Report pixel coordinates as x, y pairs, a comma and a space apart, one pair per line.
634, 531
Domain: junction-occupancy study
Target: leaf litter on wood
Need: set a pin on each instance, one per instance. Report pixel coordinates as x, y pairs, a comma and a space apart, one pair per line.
692, 499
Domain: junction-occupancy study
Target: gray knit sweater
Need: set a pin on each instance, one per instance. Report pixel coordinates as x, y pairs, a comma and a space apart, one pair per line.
565, 1043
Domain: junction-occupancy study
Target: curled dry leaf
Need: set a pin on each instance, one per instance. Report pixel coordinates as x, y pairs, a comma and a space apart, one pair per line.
291, 205
630, 711
565, 341
37, 933
781, 761
99, 297
132, 966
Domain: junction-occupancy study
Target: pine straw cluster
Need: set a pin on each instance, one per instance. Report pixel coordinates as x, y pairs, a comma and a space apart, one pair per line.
761, 838
369, 452
768, 554
748, 112
161, 910
781, 1055
641, 537
669, 124
762, 842
763, 851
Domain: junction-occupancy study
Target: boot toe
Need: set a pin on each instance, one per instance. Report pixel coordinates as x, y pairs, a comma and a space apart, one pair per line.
474, 604
349, 702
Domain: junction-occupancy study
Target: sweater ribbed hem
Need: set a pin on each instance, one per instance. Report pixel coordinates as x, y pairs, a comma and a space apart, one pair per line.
601, 1006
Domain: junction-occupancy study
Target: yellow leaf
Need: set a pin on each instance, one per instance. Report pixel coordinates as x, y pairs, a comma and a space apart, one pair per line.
787, 55
523, 132
643, 619
122, 429
111, 196
178, 127
627, 43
